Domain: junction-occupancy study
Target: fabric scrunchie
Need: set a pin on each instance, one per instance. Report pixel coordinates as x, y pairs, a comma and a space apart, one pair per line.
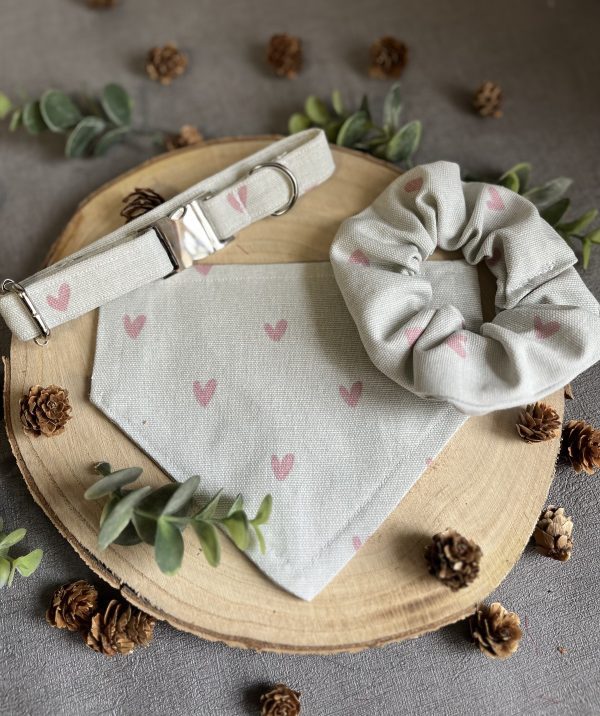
547, 325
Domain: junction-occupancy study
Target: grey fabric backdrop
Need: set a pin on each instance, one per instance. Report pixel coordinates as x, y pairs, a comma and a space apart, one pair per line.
545, 54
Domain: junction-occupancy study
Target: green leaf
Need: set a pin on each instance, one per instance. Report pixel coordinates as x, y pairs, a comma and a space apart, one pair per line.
4, 571
392, 109
317, 111
32, 118
353, 129
404, 143
112, 482
264, 511
338, 103
109, 139
59, 111
145, 527
332, 128
554, 213
577, 225
116, 104
120, 516
81, 138
182, 496
543, 196
522, 171
5, 105
260, 538
298, 122
28, 563
209, 540
103, 468
511, 181
129, 535
586, 253
364, 106
12, 538
15, 120
593, 237
238, 528
168, 547
210, 508
238, 504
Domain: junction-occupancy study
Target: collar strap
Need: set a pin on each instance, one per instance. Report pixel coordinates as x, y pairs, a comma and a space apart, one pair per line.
175, 235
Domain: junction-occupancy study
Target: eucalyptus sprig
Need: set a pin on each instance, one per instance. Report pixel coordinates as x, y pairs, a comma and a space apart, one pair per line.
393, 140
91, 125
553, 205
158, 517
25, 565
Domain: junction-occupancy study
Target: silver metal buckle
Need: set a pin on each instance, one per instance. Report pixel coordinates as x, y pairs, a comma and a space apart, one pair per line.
291, 179
10, 286
188, 236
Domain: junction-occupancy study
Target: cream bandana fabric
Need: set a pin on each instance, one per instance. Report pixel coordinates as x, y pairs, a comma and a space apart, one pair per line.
255, 378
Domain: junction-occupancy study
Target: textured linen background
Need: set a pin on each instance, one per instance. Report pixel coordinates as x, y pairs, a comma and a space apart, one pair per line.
545, 55
274, 393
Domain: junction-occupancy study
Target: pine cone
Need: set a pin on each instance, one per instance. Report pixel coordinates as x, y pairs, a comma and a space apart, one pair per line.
119, 629
188, 135
389, 57
140, 202
552, 534
164, 64
538, 422
72, 606
284, 54
45, 411
280, 701
102, 4
453, 559
581, 446
496, 631
488, 100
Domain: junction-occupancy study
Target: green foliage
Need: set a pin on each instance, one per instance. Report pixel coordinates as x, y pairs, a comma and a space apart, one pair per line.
158, 517
92, 125
552, 204
392, 141
25, 565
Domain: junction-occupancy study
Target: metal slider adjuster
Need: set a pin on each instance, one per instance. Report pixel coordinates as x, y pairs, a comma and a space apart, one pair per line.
10, 286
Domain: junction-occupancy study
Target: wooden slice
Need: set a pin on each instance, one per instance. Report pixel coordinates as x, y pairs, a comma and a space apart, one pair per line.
487, 483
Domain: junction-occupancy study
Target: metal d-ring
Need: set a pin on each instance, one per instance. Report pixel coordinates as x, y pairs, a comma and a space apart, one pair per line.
10, 286
289, 176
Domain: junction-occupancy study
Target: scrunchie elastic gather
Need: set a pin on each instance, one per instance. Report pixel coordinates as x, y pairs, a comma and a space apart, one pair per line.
547, 325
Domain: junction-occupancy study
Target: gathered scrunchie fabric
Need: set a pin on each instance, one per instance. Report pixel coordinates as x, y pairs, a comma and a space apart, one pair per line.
547, 325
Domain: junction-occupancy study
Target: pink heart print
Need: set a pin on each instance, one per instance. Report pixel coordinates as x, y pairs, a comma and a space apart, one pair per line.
239, 199
356, 543
60, 302
413, 186
133, 327
545, 330
352, 396
495, 202
205, 393
282, 468
359, 258
413, 335
203, 269
457, 343
277, 331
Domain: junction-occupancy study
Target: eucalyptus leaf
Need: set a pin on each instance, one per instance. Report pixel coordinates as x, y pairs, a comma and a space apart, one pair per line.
116, 104
120, 516
260, 539
109, 139
209, 541
554, 213
392, 109
168, 547
81, 138
238, 528
594, 236
298, 122
332, 128
129, 535
338, 103
5, 105
112, 482
586, 253
208, 511
353, 129
264, 511
28, 563
5, 569
32, 118
316, 110
182, 496
522, 172
12, 538
59, 111
404, 143
581, 223
511, 181
15, 120
156, 502
543, 196
237, 505
103, 468
145, 527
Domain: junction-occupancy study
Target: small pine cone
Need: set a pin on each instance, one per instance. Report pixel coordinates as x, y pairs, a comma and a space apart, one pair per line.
389, 57
553, 534
140, 202
72, 606
188, 135
538, 422
102, 4
581, 446
45, 411
488, 100
280, 701
164, 64
119, 629
496, 631
284, 54
453, 559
